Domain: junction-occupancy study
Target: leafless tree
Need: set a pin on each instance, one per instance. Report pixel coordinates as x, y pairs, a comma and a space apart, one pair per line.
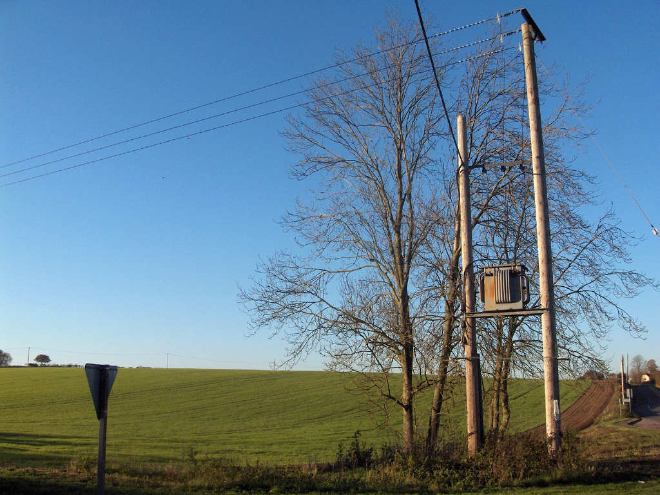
367, 139
590, 259
637, 367
591, 262
377, 284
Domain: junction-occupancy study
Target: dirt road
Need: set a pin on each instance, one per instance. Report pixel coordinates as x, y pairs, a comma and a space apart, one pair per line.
646, 405
584, 411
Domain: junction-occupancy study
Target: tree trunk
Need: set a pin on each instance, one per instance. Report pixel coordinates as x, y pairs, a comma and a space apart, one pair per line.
447, 340
406, 394
440, 384
506, 368
495, 398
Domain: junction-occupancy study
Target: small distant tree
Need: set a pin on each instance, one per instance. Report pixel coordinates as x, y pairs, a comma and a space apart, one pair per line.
637, 367
651, 367
593, 375
42, 359
5, 358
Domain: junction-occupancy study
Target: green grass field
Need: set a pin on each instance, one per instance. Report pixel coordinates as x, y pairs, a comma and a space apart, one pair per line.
157, 415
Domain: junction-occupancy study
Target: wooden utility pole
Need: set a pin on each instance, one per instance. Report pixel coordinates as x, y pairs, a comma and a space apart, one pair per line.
472, 368
623, 381
550, 367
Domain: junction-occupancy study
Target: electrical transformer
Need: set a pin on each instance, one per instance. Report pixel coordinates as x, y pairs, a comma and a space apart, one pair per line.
504, 287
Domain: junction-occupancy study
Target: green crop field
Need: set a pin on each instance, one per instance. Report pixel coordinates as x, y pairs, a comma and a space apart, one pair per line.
158, 415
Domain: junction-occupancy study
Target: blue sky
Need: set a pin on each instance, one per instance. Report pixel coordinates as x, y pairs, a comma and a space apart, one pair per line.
129, 259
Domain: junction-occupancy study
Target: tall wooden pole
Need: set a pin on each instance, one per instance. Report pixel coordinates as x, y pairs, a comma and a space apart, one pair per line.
472, 382
623, 381
550, 368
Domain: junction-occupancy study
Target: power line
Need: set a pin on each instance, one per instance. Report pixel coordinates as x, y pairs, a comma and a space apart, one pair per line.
256, 89
600, 148
204, 131
236, 110
44, 349
197, 358
153, 145
435, 75
94, 353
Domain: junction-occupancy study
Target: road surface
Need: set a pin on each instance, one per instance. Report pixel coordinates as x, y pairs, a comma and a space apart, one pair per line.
646, 405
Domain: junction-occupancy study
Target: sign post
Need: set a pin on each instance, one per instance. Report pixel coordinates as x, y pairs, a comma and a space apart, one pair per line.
101, 377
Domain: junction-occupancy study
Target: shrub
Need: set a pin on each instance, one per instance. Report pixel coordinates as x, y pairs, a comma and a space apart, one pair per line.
82, 464
356, 455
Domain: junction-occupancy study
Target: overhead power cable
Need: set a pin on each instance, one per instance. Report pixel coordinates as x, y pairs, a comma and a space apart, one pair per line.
148, 146
215, 128
600, 148
254, 90
95, 353
197, 358
236, 110
44, 349
435, 75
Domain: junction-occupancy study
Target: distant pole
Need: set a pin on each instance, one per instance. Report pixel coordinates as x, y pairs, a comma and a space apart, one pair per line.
623, 381
28, 361
167, 365
472, 381
548, 323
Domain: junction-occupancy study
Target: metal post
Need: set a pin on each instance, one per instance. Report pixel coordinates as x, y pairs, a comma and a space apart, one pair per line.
472, 381
103, 424
550, 365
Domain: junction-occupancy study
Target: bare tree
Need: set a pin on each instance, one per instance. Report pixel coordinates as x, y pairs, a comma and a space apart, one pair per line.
377, 285
367, 139
637, 367
590, 259
591, 262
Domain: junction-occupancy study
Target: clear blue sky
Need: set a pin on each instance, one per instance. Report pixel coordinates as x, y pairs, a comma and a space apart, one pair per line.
126, 260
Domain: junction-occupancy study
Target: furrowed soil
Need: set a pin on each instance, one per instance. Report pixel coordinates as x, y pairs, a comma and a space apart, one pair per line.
584, 411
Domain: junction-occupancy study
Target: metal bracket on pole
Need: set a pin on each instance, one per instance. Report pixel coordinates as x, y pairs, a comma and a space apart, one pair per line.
502, 166
502, 314
538, 35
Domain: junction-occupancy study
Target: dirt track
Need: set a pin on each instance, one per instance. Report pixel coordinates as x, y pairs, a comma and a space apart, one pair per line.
584, 411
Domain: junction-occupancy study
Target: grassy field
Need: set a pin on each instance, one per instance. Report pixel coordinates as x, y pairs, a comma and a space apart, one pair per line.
157, 415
